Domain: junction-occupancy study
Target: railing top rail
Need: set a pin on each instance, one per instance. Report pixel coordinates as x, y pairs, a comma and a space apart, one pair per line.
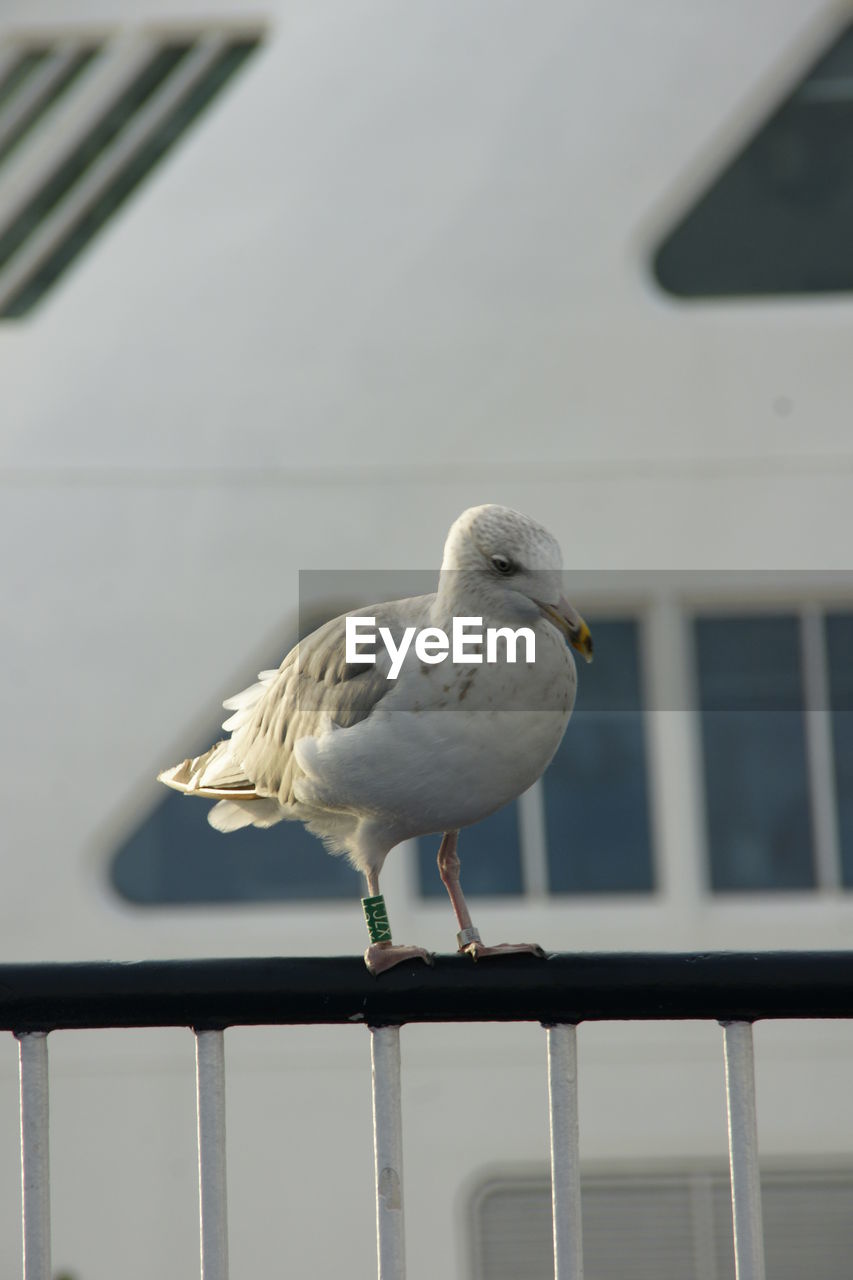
727, 986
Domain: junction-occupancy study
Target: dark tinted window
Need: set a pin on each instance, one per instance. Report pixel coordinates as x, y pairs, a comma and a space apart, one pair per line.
489, 852
174, 856
134, 132
839, 644
596, 802
778, 218
63, 68
754, 750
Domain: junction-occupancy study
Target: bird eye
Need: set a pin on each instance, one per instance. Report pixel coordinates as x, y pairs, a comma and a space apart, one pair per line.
503, 565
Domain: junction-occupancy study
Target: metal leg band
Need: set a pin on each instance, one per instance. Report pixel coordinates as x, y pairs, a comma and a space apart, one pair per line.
466, 936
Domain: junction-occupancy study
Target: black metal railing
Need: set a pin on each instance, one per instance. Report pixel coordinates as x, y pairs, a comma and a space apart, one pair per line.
726, 986
560, 991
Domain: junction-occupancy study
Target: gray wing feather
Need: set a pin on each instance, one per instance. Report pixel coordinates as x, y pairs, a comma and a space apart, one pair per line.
314, 690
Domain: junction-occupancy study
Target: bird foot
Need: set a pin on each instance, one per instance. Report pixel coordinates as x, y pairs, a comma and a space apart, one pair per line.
380, 956
479, 951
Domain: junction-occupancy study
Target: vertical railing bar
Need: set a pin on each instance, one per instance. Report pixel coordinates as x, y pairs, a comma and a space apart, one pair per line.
743, 1151
35, 1154
565, 1151
388, 1152
212, 1187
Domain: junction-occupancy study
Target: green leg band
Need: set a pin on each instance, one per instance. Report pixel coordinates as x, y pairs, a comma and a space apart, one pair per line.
377, 918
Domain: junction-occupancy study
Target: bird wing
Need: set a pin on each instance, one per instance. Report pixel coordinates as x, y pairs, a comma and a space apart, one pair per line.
314, 691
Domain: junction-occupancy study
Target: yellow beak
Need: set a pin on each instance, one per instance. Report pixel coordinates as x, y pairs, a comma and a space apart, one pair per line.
567, 619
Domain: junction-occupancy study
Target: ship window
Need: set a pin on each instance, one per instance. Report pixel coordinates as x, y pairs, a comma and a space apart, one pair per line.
33, 84
839, 647
751, 705
777, 219
81, 126
596, 798
175, 857
21, 65
666, 1226
490, 853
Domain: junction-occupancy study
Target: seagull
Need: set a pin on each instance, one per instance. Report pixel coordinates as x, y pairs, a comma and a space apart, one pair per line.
367, 759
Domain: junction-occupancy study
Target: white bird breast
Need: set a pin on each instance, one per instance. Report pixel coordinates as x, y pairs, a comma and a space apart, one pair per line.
461, 752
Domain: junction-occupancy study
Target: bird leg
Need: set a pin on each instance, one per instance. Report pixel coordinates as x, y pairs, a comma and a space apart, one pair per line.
468, 937
383, 955
448, 868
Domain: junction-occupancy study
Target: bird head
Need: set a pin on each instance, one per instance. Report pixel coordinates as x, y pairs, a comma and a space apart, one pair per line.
515, 566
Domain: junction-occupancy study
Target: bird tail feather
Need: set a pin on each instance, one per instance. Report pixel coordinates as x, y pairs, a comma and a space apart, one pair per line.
231, 815
214, 775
